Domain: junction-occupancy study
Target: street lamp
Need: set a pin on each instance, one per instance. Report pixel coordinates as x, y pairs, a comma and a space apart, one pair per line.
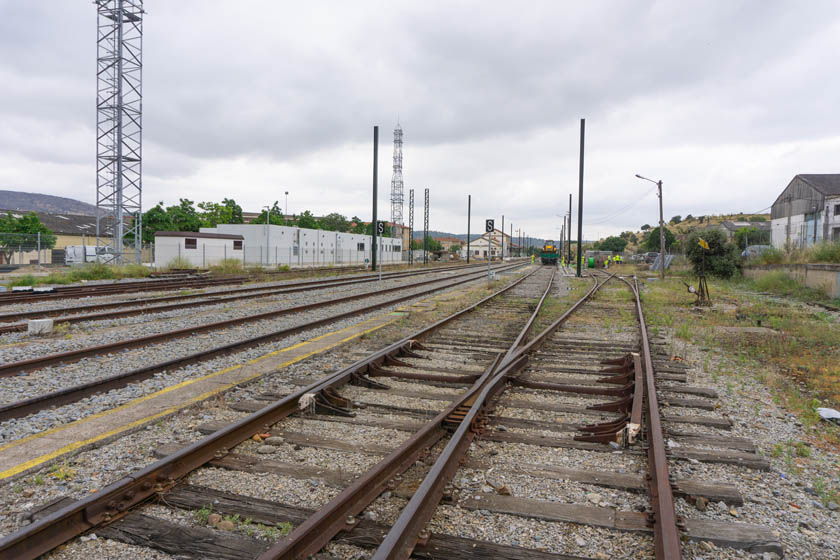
287, 204
661, 227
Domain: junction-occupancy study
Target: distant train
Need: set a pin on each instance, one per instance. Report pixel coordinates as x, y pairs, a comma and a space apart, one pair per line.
550, 253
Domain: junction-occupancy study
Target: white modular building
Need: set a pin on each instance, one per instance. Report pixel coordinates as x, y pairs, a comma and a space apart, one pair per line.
271, 245
198, 249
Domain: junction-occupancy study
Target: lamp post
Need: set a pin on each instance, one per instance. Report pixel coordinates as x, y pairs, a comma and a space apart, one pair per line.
287, 203
661, 226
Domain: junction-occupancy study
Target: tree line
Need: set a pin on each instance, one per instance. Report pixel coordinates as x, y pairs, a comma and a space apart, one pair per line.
185, 216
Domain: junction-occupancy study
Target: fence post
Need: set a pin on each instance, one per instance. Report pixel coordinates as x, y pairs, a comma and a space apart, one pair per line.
204, 255
39, 251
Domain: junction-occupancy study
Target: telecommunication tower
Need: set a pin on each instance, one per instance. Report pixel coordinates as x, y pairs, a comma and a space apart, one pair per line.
397, 179
119, 130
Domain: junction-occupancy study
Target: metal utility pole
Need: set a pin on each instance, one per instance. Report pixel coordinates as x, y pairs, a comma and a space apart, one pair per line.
503, 237
569, 232
119, 129
426, 227
580, 198
661, 227
469, 204
373, 221
510, 249
287, 206
410, 226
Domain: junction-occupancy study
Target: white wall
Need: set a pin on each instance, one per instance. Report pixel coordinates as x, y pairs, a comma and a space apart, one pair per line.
282, 245
208, 251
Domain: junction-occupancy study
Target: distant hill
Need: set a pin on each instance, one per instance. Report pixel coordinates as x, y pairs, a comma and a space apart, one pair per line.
46, 203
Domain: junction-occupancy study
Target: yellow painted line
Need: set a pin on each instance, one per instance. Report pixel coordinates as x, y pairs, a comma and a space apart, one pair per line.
77, 444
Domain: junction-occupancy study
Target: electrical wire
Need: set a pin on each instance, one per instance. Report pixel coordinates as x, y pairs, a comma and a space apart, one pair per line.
620, 211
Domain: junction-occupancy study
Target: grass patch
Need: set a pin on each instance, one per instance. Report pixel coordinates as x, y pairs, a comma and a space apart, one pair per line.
84, 272
179, 263
227, 266
796, 359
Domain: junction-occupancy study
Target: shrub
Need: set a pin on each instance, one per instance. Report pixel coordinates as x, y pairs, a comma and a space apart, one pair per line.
824, 252
178, 263
228, 266
720, 259
772, 256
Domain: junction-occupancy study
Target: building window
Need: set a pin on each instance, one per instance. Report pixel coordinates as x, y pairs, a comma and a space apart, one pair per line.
296, 250
237, 244
837, 209
190, 243
360, 246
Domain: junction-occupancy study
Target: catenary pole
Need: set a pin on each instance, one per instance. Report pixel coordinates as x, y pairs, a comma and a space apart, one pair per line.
580, 198
469, 204
373, 222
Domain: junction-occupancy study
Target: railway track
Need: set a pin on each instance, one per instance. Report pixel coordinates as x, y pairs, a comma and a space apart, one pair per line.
401, 445
75, 393
162, 284
142, 306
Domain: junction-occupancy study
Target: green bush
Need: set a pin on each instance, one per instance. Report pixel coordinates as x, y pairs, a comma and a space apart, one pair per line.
828, 252
228, 266
772, 256
178, 263
720, 259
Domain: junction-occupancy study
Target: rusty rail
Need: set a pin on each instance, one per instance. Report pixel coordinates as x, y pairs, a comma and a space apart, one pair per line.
21, 366
339, 514
409, 529
666, 534
113, 501
157, 305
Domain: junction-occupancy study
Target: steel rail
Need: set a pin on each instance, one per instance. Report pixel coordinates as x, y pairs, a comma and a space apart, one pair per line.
147, 305
115, 500
72, 394
15, 368
409, 529
116, 288
666, 533
339, 514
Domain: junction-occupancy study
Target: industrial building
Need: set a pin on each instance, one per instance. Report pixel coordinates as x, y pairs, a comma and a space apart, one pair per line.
807, 211
271, 245
478, 247
199, 249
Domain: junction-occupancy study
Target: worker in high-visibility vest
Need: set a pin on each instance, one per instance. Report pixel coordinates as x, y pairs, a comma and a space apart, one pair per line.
532, 259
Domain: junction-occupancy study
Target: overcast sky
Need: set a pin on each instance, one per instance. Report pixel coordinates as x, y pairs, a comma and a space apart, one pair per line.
724, 101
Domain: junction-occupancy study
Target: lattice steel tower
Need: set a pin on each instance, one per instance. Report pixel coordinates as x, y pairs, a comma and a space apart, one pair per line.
119, 130
397, 179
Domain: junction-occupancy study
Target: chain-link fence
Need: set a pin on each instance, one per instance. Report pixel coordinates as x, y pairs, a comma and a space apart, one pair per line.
34, 249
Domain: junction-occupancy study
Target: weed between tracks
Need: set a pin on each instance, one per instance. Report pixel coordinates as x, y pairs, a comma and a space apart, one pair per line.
205, 516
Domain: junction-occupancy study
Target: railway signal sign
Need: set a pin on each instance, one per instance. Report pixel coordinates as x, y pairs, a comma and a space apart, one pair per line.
380, 227
488, 226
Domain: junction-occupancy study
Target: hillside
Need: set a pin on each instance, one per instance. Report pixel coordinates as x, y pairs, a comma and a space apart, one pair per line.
17, 200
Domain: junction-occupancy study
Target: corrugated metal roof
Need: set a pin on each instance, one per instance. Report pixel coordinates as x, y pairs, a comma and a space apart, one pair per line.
826, 183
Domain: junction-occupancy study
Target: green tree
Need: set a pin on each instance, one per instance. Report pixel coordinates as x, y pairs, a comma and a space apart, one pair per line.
676, 219
720, 259
235, 211
612, 243
184, 216
334, 222
275, 216
307, 220
23, 233
213, 214
156, 219
688, 218
431, 244
357, 225
645, 227
651, 240
758, 219
752, 236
